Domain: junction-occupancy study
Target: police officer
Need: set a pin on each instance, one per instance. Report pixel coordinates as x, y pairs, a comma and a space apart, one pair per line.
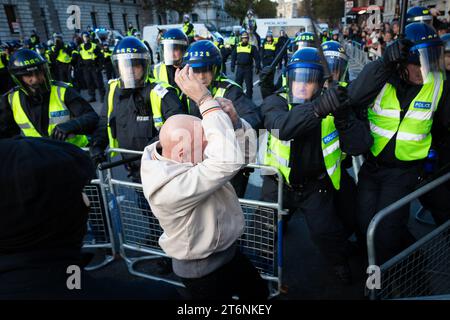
282, 39
131, 30
91, 60
6, 83
269, 50
61, 57
404, 92
224, 52
33, 41
173, 45
205, 60
309, 132
40, 107
136, 105
243, 56
188, 28
337, 60
249, 25
107, 62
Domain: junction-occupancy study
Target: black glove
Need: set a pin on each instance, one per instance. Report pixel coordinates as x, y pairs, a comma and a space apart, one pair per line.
257, 71
330, 101
97, 155
63, 130
232, 69
397, 52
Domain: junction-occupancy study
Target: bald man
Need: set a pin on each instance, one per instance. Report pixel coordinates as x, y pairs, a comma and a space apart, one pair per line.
186, 181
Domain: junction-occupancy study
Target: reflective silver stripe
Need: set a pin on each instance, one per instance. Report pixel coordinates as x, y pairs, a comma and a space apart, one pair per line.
329, 150
285, 143
437, 88
129, 55
384, 112
331, 170
382, 132
24, 125
410, 136
419, 115
283, 162
170, 41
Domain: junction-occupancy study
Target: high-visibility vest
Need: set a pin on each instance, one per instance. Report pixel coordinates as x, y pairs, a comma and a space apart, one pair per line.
185, 29
270, 46
413, 139
58, 113
244, 49
107, 54
2, 65
63, 56
160, 72
278, 152
156, 95
88, 54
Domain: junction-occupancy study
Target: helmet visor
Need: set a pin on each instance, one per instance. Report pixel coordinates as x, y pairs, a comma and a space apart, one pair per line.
132, 69
173, 51
430, 59
303, 84
337, 63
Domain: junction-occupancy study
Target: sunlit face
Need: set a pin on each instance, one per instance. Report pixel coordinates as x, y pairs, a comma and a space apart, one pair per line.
414, 73
204, 77
304, 90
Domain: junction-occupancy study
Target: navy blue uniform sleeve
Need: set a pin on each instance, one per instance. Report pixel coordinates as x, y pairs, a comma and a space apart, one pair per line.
8, 126
245, 107
81, 111
171, 104
365, 88
354, 134
289, 123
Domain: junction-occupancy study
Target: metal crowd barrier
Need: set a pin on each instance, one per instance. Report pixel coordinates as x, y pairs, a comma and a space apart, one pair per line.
99, 229
423, 269
262, 240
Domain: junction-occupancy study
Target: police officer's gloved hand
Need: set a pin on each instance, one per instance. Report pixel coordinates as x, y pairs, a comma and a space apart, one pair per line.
257, 71
97, 155
63, 130
232, 69
397, 52
330, 101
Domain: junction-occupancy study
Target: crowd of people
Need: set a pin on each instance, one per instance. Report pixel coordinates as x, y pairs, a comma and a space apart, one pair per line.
195, 124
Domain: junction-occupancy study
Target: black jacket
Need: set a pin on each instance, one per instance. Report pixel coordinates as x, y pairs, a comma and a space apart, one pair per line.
267, 56
244, 106
301, 124
365, 88
245, 59
132, 119
37, 112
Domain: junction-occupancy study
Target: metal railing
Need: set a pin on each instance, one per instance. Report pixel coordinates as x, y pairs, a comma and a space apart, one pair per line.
423, 269
99, 228
139, 230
